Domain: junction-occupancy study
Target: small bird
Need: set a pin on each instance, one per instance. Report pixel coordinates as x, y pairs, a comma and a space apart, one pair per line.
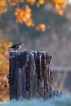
17, 46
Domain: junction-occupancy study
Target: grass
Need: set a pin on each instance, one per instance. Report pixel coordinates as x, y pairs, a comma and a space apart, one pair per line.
65, 100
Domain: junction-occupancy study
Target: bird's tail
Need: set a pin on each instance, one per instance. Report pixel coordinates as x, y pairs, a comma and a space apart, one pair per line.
10, 47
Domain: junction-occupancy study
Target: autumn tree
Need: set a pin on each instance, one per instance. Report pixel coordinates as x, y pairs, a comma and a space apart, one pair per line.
4, 65
4, 44
24, 14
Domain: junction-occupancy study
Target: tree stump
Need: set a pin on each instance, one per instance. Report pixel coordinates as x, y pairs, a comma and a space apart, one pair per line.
30, 75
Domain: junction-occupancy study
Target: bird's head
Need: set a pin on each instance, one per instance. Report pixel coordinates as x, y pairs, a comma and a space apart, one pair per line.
21, 43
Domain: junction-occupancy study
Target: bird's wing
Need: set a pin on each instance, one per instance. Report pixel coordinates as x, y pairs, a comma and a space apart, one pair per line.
16, 45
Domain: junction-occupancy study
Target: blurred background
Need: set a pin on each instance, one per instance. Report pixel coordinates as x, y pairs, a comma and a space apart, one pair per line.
56, 39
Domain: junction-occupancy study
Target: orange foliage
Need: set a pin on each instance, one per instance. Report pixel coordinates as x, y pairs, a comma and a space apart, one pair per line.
4, 63
24, 15
60, 12
31, 1
42, 27
4, 67
3, 6
15, 2
58, 4
42, 1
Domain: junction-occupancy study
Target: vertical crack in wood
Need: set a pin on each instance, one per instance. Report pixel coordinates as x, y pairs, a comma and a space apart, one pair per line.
23, 82
27, 64
44, 74
19, 87
13, 73
32, 75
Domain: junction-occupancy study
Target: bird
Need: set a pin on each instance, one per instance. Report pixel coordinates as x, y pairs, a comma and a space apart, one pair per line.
16, 47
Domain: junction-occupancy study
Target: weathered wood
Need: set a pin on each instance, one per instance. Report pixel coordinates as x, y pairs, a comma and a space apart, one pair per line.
30, 75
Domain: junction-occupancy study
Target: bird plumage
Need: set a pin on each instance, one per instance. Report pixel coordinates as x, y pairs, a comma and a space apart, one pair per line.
17, 46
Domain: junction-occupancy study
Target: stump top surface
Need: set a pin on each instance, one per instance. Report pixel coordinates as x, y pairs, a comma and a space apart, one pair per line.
28, 52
